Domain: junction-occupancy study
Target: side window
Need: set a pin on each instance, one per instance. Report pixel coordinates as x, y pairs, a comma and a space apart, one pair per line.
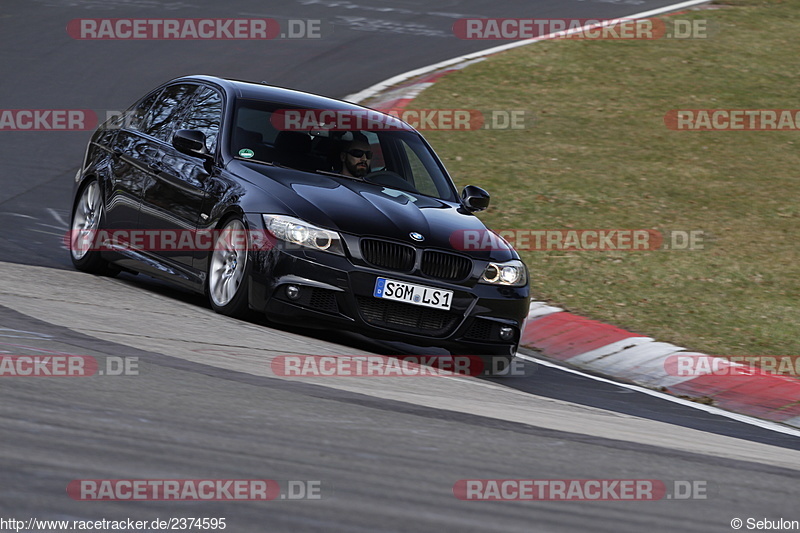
206, 116
139, 116
167, 110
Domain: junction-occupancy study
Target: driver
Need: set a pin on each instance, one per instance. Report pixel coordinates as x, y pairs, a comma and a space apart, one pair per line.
356, 156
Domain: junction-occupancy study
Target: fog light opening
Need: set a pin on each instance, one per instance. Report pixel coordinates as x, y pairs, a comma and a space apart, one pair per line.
293, 292
506, 333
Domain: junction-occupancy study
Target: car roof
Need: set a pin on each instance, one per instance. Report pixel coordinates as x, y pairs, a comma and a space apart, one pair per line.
282, 95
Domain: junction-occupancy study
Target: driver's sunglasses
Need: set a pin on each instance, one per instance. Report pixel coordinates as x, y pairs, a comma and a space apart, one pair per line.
358, 154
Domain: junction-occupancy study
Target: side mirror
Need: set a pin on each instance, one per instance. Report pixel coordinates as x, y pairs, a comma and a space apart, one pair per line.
190, 142
475, 198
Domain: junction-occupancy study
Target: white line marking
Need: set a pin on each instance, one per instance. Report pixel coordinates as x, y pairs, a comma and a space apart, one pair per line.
13, 333
46, 232
50, 226
57, 217
763, 424
17, 215
369, 92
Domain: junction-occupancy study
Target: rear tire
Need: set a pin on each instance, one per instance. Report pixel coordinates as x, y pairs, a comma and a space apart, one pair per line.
88, 216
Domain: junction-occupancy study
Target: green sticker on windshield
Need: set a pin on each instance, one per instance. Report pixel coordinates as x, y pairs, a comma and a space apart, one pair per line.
247, 153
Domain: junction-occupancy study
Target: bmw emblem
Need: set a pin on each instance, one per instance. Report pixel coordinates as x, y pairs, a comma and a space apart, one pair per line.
416, 236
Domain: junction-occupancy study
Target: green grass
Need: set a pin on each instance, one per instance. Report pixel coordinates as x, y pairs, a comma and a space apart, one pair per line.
599, 156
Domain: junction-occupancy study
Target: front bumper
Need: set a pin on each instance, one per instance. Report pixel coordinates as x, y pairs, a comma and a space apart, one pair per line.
331, 291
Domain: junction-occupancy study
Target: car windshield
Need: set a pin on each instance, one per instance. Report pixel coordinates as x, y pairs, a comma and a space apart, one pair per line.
354, 144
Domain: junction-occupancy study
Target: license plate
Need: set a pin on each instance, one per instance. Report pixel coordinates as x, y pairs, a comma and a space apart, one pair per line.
413, 294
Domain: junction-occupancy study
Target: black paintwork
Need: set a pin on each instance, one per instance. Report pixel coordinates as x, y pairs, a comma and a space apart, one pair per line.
148, 183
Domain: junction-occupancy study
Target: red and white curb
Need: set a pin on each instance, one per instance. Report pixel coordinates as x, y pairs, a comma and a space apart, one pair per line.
609, 350
591, 345
400, 96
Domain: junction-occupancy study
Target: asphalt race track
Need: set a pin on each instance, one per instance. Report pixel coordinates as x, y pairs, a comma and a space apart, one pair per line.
201, 402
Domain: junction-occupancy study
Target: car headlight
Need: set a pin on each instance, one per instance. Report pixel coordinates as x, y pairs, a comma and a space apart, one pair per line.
301, 233
510, 274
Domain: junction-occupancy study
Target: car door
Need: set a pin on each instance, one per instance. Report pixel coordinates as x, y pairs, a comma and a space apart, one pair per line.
130, 157
173, 199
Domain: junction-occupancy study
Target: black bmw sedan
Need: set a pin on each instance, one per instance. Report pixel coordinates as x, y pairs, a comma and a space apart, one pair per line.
314, 211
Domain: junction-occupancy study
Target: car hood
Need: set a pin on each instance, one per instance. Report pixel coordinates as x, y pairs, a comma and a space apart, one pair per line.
366, 209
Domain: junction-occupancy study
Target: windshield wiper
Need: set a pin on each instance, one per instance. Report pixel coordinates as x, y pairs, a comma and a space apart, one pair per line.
251, 160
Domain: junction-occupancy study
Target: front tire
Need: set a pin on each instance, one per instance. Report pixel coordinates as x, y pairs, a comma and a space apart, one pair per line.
229, 271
